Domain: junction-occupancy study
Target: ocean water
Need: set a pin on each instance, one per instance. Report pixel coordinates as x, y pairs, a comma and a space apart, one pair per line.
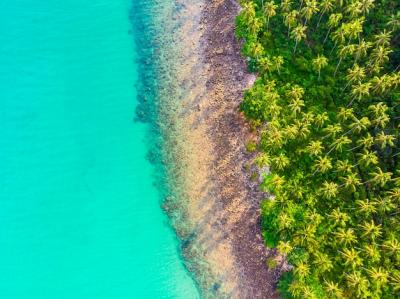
80, 215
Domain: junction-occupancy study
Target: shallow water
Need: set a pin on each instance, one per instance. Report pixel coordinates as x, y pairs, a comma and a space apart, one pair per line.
80, 216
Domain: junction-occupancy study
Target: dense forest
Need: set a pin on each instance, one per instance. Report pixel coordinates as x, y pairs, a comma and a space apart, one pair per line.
326, 107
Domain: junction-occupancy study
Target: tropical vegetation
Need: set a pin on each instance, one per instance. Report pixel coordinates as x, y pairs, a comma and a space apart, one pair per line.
326, 108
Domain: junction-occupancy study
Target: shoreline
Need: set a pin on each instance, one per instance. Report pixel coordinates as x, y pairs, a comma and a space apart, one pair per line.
219, 206
213, 204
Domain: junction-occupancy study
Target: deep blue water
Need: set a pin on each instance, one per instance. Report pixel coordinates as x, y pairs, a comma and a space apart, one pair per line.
80, 216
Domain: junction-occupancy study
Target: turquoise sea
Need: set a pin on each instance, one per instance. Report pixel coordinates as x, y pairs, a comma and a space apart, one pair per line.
80, 215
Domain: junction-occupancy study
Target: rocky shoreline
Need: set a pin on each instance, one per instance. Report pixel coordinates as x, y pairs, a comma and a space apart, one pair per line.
222, 202
213, 203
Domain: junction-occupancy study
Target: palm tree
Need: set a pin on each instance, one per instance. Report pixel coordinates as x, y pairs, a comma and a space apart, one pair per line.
286, 5
266, 64
354, 9
284, 247
309, 9
302, 270
343, 52
290, 19
385, 140
333, 21
379, 276
359, 91
339, 143
351, 181
362, 49
298, 34
344, 166
338, 217
296, 105
249, 10
380, 177
372, 252
380, 55
371, 229
366, 5
394, 21
295, 92
351, 258
280, 161
355, 74
277, 62
368, 158
323, 262
366, 142
359, 125
319, 63
315, 148
329, 190
357, 282
256, 50
346, 236
333, 290
382, 38
332, 130
326, 6
323, 164
269, 10
366, 207
345, 114
320, 119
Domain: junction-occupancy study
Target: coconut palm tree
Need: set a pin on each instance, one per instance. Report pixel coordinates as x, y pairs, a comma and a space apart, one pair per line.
296, 106
345, 114
355, 74
351, 258
286, 5
367, 158
351, 181
319, 63
290, 20
379, 55
362, 49
333, 21
320, 119
353, 9
302, 270
329, 190
298, 34
394, 21
359, 91
359, 125
385, 140
382, 38
358, 283
346, 236
277, 62
366, 207
315, 148
379, 276
366, 6
323, 164
338, 217
371, 229
380, 177
309, 10
326, 6
333, 290
269, 10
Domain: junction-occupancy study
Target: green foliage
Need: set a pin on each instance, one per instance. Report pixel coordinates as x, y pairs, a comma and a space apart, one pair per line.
327, 104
